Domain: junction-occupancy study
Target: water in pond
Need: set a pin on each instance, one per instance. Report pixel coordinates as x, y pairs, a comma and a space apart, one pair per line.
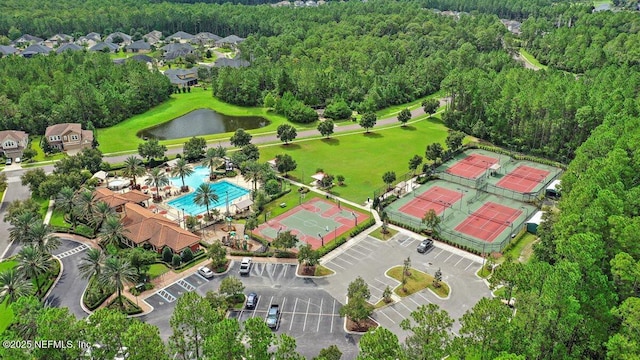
202, 122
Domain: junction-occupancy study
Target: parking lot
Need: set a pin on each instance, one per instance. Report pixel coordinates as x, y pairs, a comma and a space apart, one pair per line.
308, 313
370, 258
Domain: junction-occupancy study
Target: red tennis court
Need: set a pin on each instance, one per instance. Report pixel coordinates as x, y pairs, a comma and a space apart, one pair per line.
489, 221
523, 179
436, 198
472, 166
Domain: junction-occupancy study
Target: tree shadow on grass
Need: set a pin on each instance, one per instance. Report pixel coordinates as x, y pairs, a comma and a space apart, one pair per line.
331, 141
408, 128
290, 146
373, 135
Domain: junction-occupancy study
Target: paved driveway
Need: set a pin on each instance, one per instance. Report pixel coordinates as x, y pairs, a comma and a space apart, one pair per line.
370, 258
309, 314
68, 291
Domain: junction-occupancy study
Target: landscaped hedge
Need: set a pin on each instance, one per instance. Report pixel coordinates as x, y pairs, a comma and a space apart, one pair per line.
80, 229
518, 156
197, 257
327, 248
249, 253
387, 201
129, 307
49, 280
285, 255
91, 298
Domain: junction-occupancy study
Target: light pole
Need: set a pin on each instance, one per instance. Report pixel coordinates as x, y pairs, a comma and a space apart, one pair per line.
227, 203
462, 191
278, 232
183, 219
355, 217
321, 239
335, 229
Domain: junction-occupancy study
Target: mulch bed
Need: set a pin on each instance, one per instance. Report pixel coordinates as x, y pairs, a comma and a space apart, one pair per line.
306, 270
364, 326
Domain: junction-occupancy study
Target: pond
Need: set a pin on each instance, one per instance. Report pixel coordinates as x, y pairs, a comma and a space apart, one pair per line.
202, 122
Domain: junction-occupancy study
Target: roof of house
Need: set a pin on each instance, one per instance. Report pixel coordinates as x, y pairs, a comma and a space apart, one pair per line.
536, 218
87, 136
243, 204
176, 54
69, 47
153, 34
36, 49
144, 226
555, 185
63, 37
114, 199
59, 129
142, 58
318, 176
208, 36
28, 38
13, 134
102, 45
112, 36
234, 63
7, 50
176, 47
180, 35
139, 45
175, 74
231, 39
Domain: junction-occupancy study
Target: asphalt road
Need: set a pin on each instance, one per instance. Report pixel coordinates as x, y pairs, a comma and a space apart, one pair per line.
15, 191
68, 292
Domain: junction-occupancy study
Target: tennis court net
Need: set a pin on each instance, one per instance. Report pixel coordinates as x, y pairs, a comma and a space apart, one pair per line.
537, 178
497, 221
435, 201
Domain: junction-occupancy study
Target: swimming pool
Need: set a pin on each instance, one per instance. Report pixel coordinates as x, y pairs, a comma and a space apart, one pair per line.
221, 189
200, 175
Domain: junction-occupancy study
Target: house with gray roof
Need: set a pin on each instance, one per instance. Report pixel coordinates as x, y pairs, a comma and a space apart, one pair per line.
176, 50
7, 50
69, 47
205, 38
89, 40
105, 45
68, 136
36, 49
234, 63
111, 38
153, 37
182, 77
180, 36
26, 40
13, 143
57, 40
231, 40
142, 58
139, 46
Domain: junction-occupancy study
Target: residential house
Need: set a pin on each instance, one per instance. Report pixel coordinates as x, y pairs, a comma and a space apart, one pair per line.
176, 50
281, 3
153, 37
57, 40
117, 201
142, 58
512, 25
139, 46
13, 143
26, 40
89, 40
7, 50
36, 49
231, 40
155, 231
180, 36
105, 46
234, 63
182, 77
69, 47
68, 136
205, 38
116, 36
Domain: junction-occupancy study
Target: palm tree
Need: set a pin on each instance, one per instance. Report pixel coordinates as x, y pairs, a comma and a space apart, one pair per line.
19, 233
91, 263
133, 167
101, 211
41, 235
115, 273
65, 202
182, 169
205, 195
212, 161
33, 263
251, 172
112, 232
157, 178
13, 285
85, 203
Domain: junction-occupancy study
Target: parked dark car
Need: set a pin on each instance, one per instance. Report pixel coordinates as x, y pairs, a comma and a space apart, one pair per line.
425, 245
252, 301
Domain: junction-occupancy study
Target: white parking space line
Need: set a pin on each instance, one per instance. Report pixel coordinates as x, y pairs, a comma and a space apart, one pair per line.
270, 303
351, 256
445, 260
359, 252
362, 248
441, 251
262, 271
275, 267
333, 314
255, 308
320, 316
341, 260
331, 263
387, 316
408, 242
426, 299
294, 314
285, 270
373, 242
201, 277
306, 315
468, 266
415, 302
459, 261
375, 287
405, 306
397, 312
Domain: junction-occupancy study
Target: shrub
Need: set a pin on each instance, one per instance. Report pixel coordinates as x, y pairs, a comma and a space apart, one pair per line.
176, 260
285, 255
167, 254
187, 255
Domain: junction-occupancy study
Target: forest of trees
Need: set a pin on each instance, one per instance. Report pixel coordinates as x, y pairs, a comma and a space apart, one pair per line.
80, 87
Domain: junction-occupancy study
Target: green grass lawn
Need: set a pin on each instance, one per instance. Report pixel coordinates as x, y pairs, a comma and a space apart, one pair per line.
521, 248
156, 270
532, 60
122, 137
395, 109
292, 199
57, 220
6, 315
322, 271
597, 3
44, 205
377, 233
34, 142
360, 158
416, 282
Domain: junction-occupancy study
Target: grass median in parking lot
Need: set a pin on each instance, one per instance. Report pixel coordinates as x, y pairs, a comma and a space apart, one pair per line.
417, 281
377, 233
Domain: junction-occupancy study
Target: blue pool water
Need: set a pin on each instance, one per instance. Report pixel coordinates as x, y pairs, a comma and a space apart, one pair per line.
221, 189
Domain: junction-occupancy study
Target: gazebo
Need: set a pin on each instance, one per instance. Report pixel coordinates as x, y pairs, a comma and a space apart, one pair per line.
243, 205
318, 177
